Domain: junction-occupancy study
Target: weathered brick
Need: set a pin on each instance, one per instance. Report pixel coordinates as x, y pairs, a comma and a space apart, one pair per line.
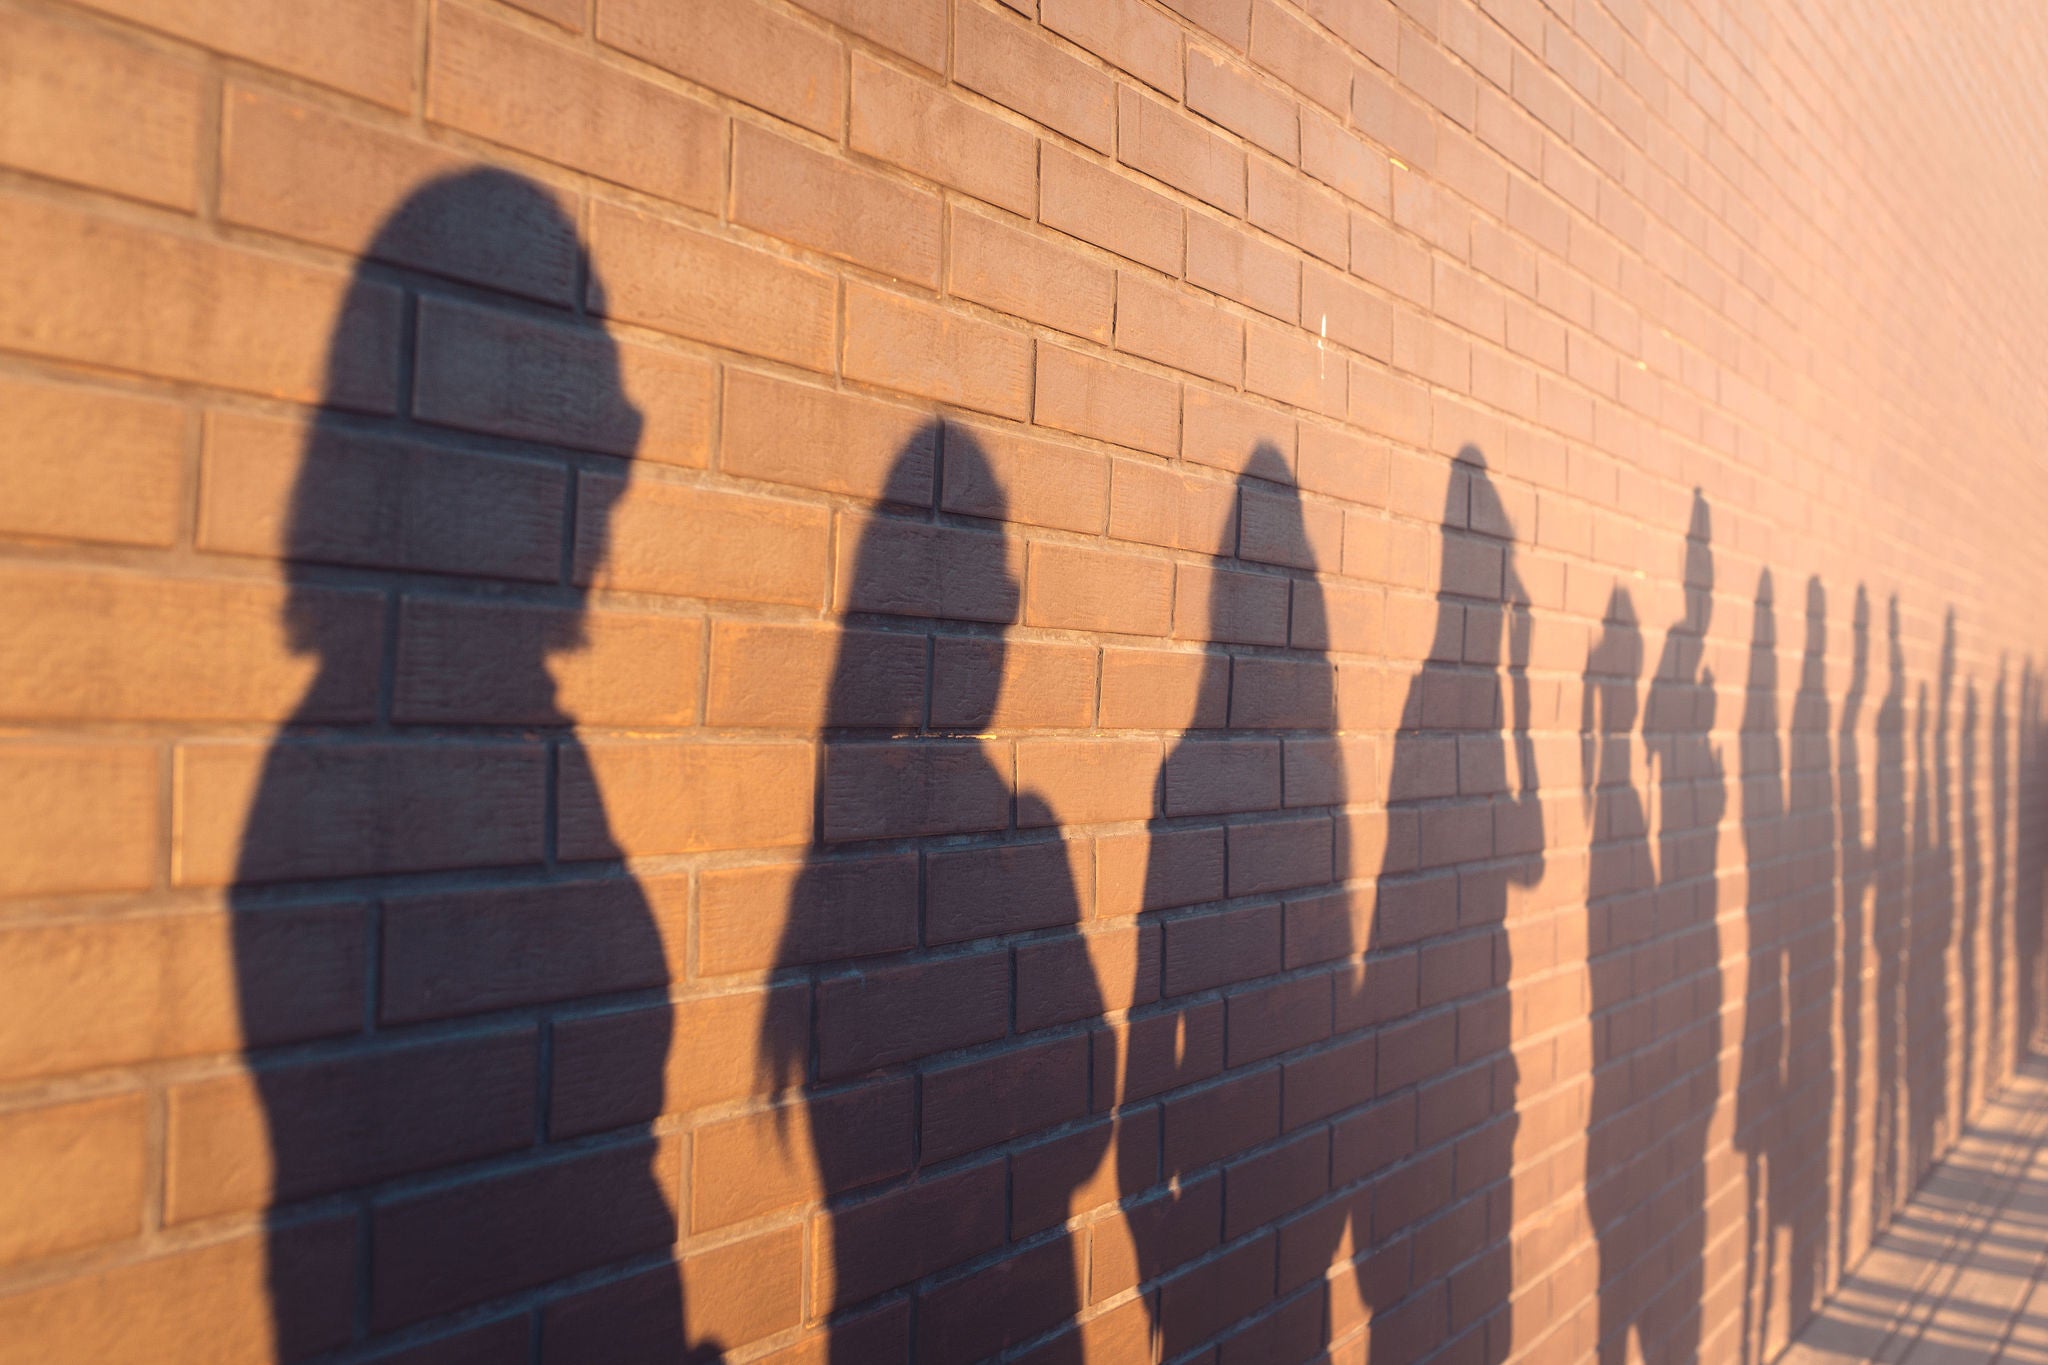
1008, 62
999, 473
745, 50
90, 464
364, 47
631, 798
1125, 33
595, 117
816, 438
672, 538
1093, 397
1166, 144
787, 190
76, 1173
915, 347
1094, 203
1022, 273
1179, 329
916, 125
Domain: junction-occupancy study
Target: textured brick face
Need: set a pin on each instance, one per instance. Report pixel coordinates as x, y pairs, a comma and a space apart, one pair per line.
1118, 680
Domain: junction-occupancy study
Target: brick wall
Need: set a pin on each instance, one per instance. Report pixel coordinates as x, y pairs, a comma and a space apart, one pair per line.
849, 680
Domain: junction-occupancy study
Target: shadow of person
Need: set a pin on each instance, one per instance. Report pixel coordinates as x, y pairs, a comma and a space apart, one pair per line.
1646, 1178
1933, 912
446, 770
1889, 873
1854, 923
995, 912
1464, 825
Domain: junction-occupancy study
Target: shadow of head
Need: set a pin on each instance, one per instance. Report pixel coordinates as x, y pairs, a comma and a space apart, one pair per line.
388, 488
1699, 566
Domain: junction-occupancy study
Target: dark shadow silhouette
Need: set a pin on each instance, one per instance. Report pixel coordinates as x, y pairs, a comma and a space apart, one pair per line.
1763, 1084
1854, 877
1656, 1014
2003, 1049
893, 770
2030, 829
1977, 1079
1933, 921
1464, 824
1889, 872
413, 777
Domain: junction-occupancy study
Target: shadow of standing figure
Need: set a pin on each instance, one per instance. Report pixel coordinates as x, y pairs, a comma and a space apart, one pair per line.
895, 768
443, 768
1854, 927
1464, 827
1656, 1013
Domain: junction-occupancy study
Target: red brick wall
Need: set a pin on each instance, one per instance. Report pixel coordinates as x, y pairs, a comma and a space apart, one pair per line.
849, 680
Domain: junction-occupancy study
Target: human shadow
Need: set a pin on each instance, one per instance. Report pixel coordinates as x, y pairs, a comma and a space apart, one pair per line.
1854, 927
1656, 1006
896, 768
443, 768
1889, 874
1933, 919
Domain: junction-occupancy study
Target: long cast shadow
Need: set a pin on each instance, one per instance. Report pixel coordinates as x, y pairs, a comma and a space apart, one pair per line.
1854, 876
447, 769
1656, 1013
893, 770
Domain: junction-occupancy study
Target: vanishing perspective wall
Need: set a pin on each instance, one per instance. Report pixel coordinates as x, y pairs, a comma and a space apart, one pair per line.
1087, 680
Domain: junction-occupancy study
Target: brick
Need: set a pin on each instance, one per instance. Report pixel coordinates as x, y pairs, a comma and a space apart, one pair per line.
907, 1233
76, 1173
1210, 950
1403, 124
663, 275
1042, 684
287, 1133
633, 798
93, 464
1067, 1175
978, 893
672, 538
362, 47
239, 1301
1075, 978
1017, 1298
1384, 257
1155, 689
1007, 476
301, 171
1087, 781
1124, 33
1279, 528
456, 1245
1097, 205
1300, 56
834, 908
1166, 870
796, 677
1348, 164
1230, 605
748, 51
914, 347
101, 292
1289, 367
1092, 397
325, 809
901, 119
909, 568
1074, 588
975, 1104
1338, 462
1170, 146
1230, 434
787, 190
897, 1014
1007, 61
758, 1163
1339, 617
1219, 89
914, 28
99, 111
92, 993
446, 954
1207, 1125
817, 438
1282, 694
595, 118
1157, 1053
1241, 266
1204, 778
1297, 212
1177, 329
382, 503
1266, 1021
1333, 307
504, 375
733, 1294
1027, 275
1229, 20
887, 791
1369, 27
1157, 505
628, 1067
1200, 1302
1328, 1081
1260, 1189
1162, 1232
